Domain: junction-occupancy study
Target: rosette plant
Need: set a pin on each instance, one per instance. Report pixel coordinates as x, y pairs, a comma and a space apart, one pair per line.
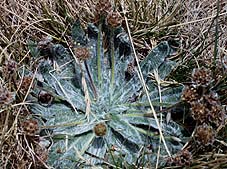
92, 105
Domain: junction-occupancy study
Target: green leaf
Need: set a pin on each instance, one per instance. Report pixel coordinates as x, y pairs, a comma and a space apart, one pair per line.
125, 129
98, 149
139, 120
71, 151
155, 58
125, 150
169, 95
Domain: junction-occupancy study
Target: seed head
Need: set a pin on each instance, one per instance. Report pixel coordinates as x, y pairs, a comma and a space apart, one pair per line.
211, 98
100, 129
24, 84
215, 114
103, 7
198, 111
114, 19
190, 94
182, 158
30, 127
214, 108
202, 76
42, 153
204, 135
82, 53
10, 67
208, 109
6, 97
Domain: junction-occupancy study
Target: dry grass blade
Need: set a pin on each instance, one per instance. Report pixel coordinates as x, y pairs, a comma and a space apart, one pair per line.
158, 80
87, 97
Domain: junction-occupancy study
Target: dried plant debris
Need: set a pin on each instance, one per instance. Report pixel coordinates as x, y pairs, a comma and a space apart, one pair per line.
28, 153
9, 69
21, 145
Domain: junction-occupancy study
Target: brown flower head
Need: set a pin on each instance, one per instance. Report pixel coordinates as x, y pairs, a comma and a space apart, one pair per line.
190, 94
103, 7
114, 19
6, 97
10, 67
204, 135
211, 98
208, 109
24, 84
82, 53
100, 129
216, 115
30, 127
202, 76
214, 110
198, 111
182, 158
